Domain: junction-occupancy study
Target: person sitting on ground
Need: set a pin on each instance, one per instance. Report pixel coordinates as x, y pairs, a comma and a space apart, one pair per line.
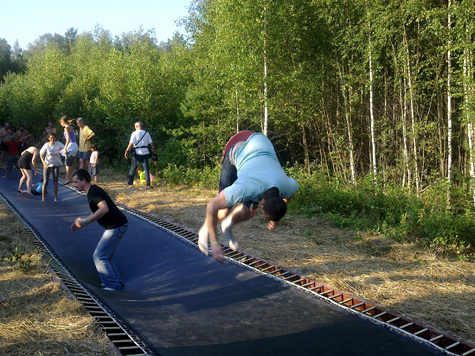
251, 174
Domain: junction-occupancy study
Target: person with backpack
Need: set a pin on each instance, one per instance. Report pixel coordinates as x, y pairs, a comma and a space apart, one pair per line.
138, 143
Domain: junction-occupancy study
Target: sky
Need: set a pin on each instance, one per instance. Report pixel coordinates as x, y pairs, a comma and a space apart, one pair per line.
27, 20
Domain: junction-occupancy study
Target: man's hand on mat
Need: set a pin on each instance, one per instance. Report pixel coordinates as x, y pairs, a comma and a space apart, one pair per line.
217, 252
79, 223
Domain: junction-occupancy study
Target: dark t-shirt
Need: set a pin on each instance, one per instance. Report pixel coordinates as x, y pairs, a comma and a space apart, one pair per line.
114, 218
13, 148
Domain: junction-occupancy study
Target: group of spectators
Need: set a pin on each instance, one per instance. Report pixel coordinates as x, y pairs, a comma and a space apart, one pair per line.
23, 153
18, 149
15, 141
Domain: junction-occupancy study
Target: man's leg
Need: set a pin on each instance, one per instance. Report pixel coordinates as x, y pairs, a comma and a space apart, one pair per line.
81, 159
46, 173
227, 178
146, 171
103, 254
240, 213
133, 167
9, 167
55, 171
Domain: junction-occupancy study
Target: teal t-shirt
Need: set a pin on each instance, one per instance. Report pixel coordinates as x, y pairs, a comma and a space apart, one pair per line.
258, 170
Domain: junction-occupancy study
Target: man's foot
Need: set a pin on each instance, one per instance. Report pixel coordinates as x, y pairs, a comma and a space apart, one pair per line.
203, 237
226, 227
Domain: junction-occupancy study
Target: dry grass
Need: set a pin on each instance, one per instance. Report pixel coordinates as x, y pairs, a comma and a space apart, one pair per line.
36, 315
404, 278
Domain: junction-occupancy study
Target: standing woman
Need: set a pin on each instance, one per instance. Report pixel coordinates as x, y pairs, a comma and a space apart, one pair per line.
49, 155
26, 163
71, 147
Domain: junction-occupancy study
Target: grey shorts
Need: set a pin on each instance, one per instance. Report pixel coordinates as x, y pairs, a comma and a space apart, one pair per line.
69, 160
84, 155
94, 171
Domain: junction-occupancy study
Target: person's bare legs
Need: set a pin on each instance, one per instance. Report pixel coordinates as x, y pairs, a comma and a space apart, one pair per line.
43, 188
69, 174
23, 179
56, 185
239, 214
29, 181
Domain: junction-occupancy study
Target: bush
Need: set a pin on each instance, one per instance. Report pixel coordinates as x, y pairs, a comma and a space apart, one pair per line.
389, 209
204, 178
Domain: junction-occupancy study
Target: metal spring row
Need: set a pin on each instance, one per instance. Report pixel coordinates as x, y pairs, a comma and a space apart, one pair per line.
124, 339
431, 337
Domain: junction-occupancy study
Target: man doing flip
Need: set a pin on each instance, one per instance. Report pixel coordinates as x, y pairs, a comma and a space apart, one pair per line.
251, 175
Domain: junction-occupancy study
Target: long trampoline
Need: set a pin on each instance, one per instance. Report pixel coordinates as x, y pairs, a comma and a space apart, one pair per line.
181, 302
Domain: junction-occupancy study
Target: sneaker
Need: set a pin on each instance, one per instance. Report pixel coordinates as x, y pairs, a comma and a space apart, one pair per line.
226, 227
146, 187
109, 288
203, 238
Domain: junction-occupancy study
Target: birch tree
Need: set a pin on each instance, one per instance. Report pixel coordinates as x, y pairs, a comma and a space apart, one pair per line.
449, 101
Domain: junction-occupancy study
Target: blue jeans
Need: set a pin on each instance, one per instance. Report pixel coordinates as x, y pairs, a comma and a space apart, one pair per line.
133, 166
106, 268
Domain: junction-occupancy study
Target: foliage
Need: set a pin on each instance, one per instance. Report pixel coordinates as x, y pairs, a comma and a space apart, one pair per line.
300, 71
392, 211
204, 178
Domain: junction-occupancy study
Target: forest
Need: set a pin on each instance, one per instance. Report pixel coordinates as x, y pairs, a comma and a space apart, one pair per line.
370, 105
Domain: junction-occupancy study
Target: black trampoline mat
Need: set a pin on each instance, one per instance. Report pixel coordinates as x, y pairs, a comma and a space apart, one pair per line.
182, 302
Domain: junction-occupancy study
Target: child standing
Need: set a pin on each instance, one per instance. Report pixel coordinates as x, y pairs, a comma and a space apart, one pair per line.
93, 163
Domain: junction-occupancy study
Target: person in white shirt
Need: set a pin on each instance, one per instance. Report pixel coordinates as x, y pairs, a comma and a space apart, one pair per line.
50, 157
140, 140
94, 163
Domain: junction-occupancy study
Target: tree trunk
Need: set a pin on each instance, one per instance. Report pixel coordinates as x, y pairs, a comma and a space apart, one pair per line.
413, 119
348, 125
449, 107
373, 139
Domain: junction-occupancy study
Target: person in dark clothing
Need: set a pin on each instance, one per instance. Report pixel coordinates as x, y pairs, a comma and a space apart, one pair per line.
13, 153
27, 165
115, 223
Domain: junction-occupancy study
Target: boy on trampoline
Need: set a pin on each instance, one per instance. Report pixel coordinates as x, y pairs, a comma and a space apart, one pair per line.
111, 219
251, 175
